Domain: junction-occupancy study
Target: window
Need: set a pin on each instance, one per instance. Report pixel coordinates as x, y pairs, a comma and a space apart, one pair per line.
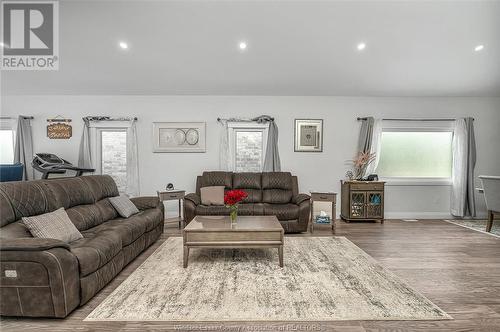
113, 155
422, 153
247, 143
7, 140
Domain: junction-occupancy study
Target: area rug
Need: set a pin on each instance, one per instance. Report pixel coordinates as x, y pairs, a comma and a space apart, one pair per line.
478, 225
324, 278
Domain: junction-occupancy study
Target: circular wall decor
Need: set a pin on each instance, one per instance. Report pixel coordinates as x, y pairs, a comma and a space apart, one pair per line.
192, 136
179, 137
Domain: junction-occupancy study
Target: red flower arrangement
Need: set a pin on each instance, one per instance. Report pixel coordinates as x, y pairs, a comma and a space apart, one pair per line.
231, 199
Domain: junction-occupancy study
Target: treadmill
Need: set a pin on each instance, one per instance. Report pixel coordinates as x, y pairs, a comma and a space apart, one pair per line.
48, 163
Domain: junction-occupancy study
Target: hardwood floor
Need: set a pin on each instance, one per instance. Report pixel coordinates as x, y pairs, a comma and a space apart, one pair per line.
456, 268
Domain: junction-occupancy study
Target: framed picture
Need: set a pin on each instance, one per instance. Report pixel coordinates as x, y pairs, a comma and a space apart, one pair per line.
308, 135
179, 136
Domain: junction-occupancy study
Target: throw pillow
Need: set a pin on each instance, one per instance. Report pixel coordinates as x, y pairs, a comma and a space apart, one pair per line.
212, 195
123, 206
53, 225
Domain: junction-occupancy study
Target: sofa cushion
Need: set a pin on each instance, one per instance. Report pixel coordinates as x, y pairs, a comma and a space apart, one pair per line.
22, 199
251, 184
149, 218
8, 215
123, 206
217, 178
85, 216
53, 225
15, 230
277, 180
251, 209
106, 209
128, 231
213, 195
101, 186
277, 187
276, 196
96, 250
212, 210
67, 192
247, 181
282, 211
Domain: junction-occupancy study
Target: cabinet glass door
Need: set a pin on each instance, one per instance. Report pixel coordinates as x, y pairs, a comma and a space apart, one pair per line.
374, 207
358, 204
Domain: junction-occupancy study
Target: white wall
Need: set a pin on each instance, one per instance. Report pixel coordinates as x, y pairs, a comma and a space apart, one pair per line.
314, 170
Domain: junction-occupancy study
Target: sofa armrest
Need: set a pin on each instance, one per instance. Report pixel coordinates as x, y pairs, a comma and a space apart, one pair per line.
301, 198
31, 244
304, 210
146, 202
193, 198
190, 203
40, 278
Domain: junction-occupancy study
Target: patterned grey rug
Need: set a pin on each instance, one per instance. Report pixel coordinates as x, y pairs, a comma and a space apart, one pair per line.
324, 278
478, 225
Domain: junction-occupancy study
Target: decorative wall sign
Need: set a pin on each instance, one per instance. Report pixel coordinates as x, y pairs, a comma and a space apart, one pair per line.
308, 135
179, 136
59, 128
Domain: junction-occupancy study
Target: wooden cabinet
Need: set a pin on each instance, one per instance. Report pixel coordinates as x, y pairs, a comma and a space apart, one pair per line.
362, 200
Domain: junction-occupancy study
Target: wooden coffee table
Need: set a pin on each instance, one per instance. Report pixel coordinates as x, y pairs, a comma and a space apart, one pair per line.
247, 232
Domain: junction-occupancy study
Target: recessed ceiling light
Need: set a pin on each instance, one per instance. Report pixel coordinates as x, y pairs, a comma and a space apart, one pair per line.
479, 48
3, 45
123, 45
361, 46
243, 46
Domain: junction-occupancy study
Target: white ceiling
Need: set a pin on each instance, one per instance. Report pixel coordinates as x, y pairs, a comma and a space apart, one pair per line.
415, 48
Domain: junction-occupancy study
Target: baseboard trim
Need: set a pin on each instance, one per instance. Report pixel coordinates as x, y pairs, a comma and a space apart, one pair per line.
425, 215
418, 215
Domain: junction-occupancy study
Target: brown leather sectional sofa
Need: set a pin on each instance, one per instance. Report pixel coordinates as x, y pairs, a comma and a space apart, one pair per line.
269, 193
49, 278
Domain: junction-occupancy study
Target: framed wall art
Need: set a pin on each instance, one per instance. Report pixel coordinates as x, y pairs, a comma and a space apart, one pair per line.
308, 135
179, 136
59, 128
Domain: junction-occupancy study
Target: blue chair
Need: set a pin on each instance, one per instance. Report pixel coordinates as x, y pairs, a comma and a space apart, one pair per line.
11, 172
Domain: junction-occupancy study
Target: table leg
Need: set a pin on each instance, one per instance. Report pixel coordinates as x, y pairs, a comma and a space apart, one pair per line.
179, 214
333, 226
186, 255
280, 253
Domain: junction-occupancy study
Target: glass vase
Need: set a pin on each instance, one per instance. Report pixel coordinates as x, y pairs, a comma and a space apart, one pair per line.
233, 214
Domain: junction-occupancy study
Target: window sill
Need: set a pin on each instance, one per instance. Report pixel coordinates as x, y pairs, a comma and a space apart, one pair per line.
416, 182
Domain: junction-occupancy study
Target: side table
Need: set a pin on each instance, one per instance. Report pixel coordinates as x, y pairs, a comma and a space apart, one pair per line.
322, 196
172, 195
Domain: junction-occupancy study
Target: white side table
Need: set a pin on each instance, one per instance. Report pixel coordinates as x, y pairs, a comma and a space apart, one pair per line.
172, 195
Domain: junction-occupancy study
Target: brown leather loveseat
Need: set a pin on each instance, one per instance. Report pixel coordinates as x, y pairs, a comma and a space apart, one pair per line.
50, 278
269, 193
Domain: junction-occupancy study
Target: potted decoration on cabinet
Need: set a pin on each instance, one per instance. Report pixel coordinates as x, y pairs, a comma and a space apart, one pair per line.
359, 165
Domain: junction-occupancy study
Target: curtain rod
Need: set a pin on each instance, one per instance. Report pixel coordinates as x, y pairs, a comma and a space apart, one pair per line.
11, 117
104, 118
240, 120
415, 119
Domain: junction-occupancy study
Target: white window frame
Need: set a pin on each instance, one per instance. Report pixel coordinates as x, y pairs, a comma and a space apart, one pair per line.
427, 126
10, 124
235, 127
